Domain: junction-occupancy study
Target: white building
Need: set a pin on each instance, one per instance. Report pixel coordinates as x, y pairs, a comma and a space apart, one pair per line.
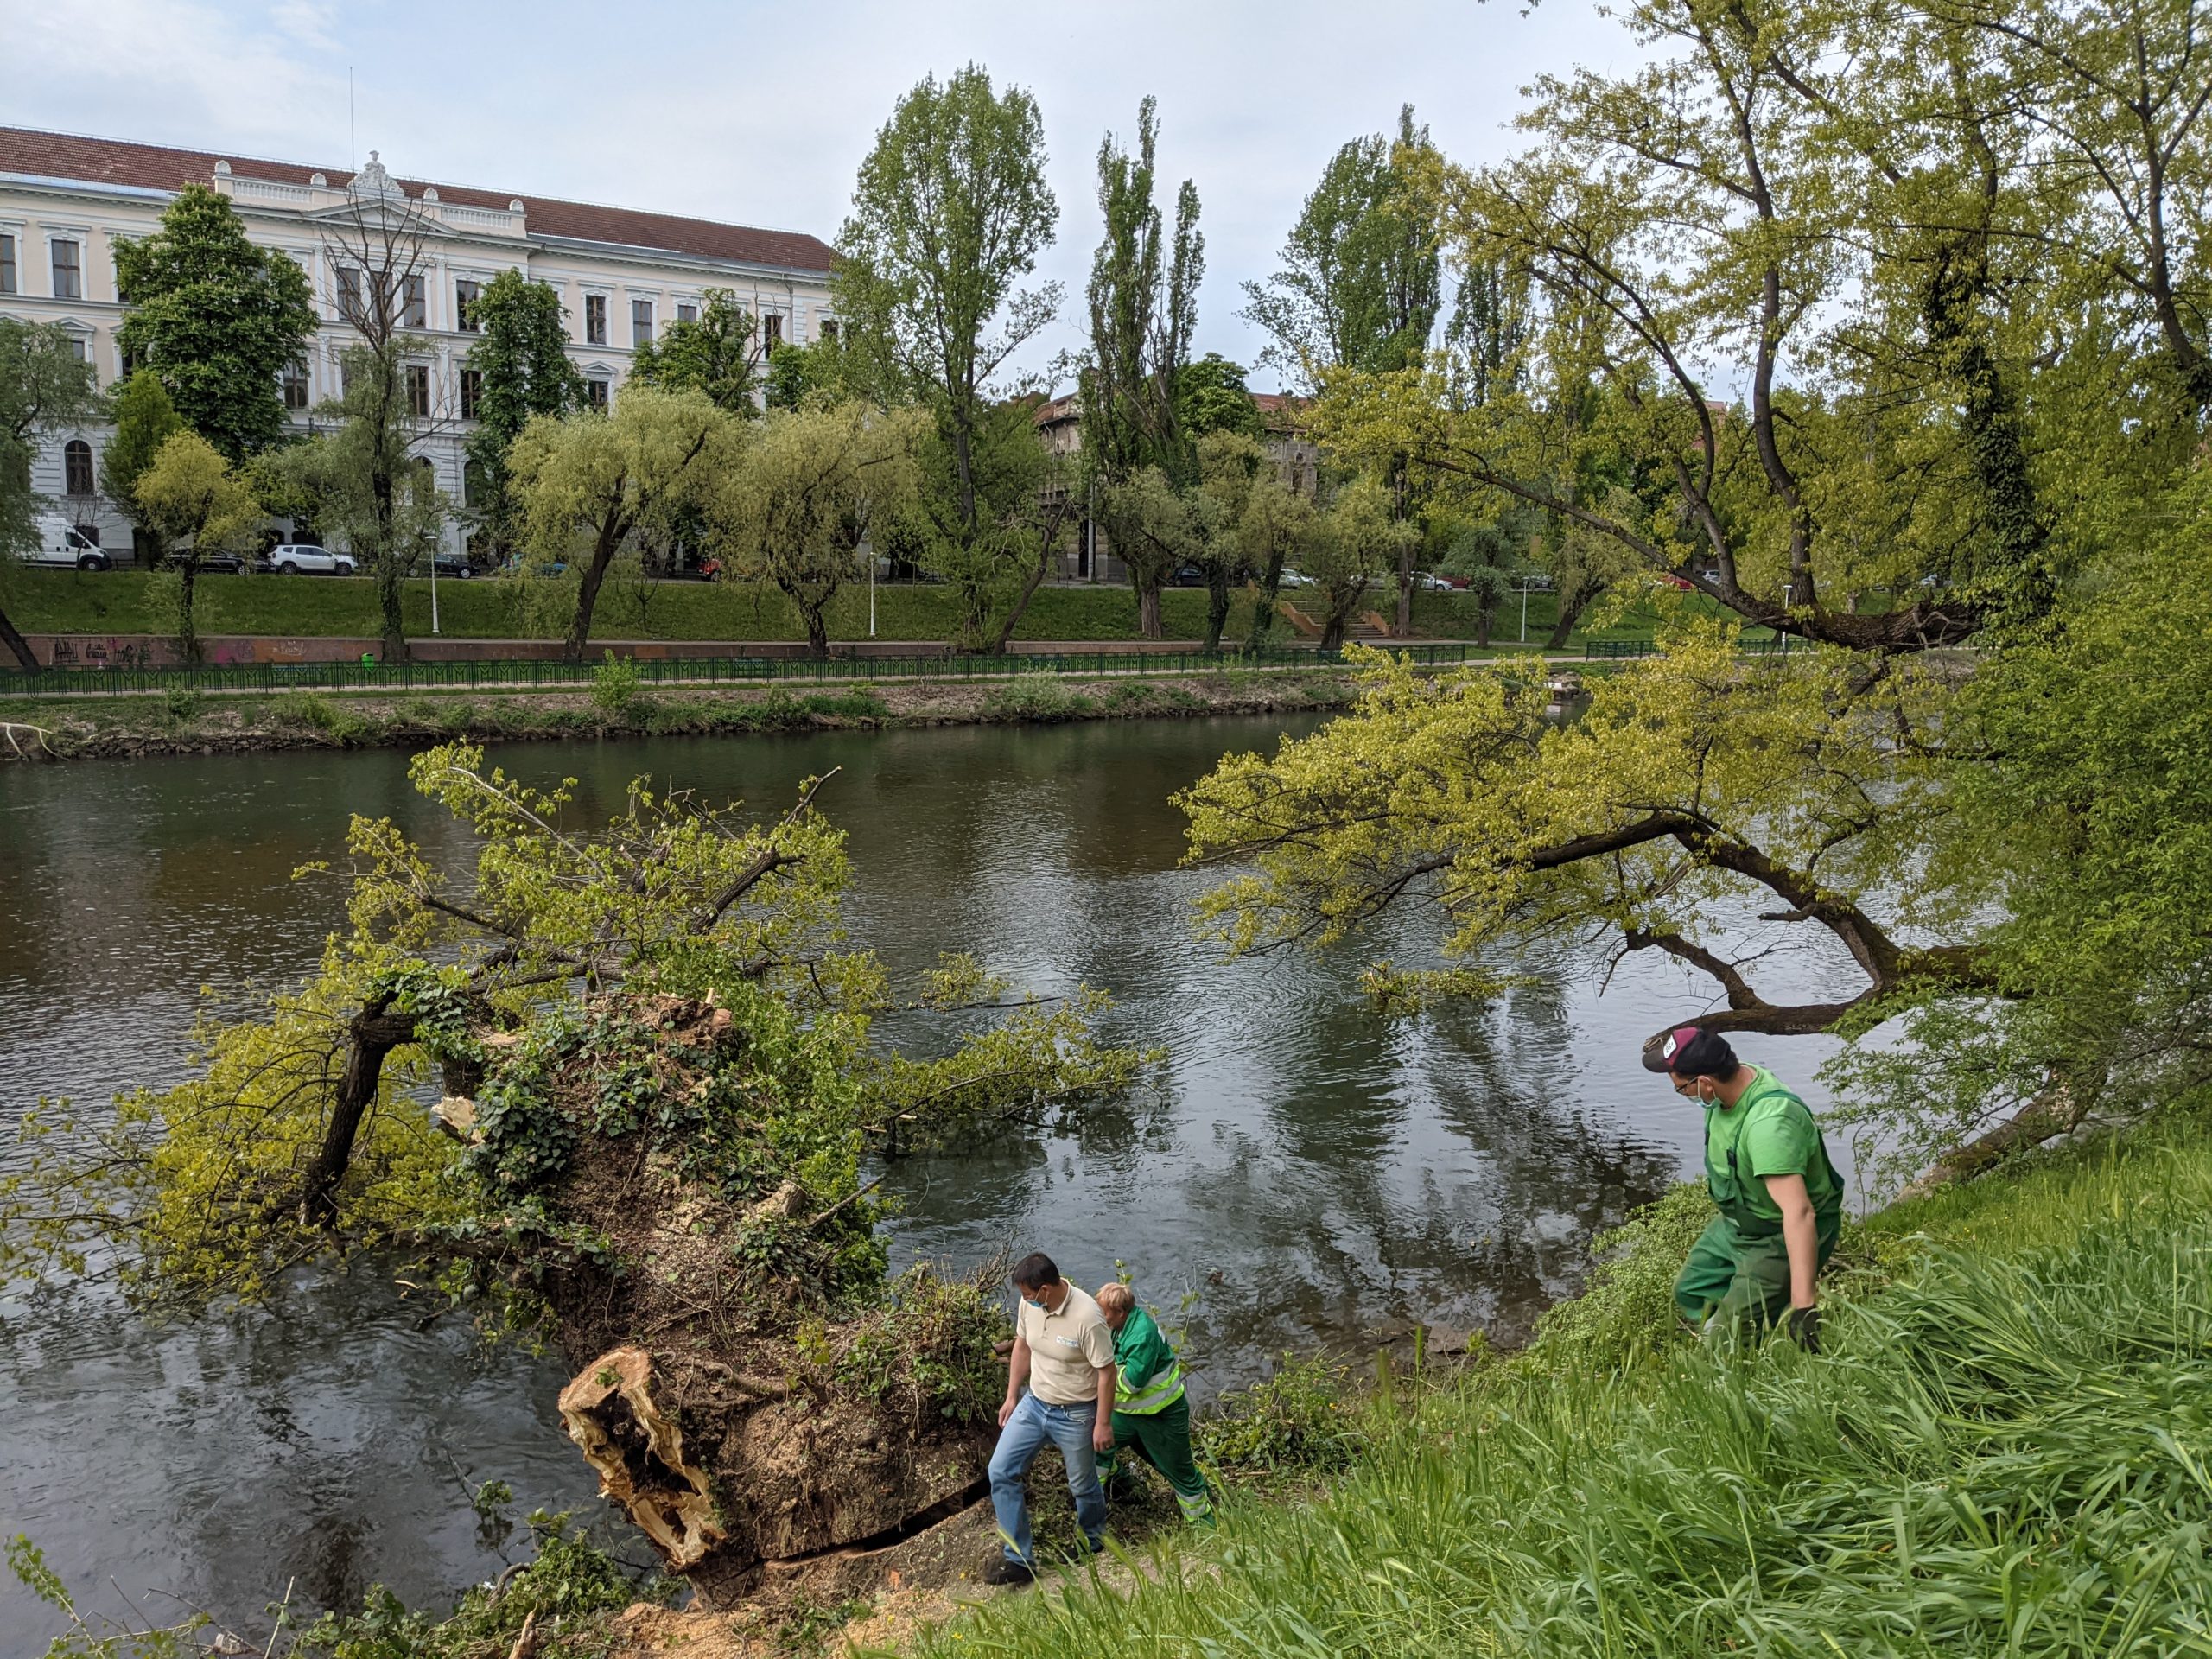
622, 275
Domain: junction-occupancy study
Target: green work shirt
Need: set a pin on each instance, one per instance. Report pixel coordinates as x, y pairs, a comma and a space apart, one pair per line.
1149, 1377
1769, 1132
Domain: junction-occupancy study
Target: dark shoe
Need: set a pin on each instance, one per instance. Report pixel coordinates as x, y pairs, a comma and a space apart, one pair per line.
1003, 1571
1122, 1489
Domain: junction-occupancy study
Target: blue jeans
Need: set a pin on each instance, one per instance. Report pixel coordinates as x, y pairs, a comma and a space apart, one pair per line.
1070, 1428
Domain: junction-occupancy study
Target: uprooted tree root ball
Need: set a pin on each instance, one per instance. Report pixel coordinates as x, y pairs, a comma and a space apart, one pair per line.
750, 1388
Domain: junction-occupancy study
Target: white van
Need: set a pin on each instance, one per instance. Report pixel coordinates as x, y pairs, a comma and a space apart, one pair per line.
63, 546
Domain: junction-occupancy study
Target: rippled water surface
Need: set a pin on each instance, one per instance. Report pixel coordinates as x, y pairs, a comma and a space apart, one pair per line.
1318, 1176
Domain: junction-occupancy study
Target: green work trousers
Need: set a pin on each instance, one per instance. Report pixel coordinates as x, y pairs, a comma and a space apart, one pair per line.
1162, 1439
1740, 1282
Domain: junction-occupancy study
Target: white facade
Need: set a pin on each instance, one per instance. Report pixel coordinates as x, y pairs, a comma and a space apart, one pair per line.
57, 237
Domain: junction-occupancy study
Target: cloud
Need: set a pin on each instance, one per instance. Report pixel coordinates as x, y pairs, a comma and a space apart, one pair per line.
760, 112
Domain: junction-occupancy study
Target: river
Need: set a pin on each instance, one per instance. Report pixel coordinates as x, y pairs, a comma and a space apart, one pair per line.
1317, 1176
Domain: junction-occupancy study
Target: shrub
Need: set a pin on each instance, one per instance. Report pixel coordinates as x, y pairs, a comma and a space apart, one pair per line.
1039, 697
614, 684
1628, 1307
1302, 1418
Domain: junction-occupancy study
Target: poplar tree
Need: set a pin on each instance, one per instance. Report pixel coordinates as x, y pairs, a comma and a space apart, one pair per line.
950, 212
521, 359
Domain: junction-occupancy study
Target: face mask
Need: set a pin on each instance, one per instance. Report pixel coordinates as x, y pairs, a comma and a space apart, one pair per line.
1031, 1301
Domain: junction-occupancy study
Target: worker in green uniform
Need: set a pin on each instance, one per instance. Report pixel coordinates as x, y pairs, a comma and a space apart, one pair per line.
1781, 1200
1150, 1413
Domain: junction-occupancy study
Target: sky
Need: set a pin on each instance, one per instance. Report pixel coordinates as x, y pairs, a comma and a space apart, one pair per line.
761, 113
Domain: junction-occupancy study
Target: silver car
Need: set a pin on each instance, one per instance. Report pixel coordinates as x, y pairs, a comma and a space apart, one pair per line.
305, 559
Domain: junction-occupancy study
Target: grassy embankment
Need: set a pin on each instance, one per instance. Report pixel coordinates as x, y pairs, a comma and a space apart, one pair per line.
116, 601
182, 721
2005, 1448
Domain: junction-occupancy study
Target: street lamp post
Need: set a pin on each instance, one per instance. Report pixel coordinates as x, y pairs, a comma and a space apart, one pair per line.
1524, 610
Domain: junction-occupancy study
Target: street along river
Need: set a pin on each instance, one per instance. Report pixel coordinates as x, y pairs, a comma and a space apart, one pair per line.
1318, 1176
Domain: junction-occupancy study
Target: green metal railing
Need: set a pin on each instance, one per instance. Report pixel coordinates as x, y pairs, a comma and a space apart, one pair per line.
695, 671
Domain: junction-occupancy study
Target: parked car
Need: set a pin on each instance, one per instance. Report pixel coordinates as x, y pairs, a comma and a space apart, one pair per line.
1295, 579
454, 564
62, 546
222, 563
1433, 584
1187, 576
304, 558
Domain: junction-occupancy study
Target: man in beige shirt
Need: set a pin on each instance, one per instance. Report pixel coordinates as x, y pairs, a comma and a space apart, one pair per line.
1063, 1351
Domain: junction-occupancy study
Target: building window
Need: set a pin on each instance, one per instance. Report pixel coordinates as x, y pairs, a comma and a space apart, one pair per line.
594, 319
829, 328
7, 264
641, 323
68, 272
295, 384
471, 392
473, 488
596, 394
771, 331
77, 467
686, 312
414, 309
353, 305
465, 295
82, 347
418, 391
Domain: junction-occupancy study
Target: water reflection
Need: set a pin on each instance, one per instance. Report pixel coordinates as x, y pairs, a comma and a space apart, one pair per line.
1313, 1173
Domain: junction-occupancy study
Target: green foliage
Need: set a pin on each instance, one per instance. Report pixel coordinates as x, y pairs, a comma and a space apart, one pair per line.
522, 357
1037, 697
930, 1346
569, 1582
815, 487
1361, 285
614, 683
950, 211
217, 318
819, 369
212, 1189
44, 387
586, 485
1627, 1307
103, 1640
714, 354
1211, 396
144, 419
195, 506
362, 485
1304, 1419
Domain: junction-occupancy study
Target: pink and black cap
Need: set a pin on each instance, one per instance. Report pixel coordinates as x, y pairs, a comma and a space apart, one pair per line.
1690, 1051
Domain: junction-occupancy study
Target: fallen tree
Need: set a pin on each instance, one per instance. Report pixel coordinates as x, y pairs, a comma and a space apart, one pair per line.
659, 1078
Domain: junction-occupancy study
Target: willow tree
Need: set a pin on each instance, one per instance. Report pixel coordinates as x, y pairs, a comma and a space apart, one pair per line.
301, 1130
816, 485
587, 483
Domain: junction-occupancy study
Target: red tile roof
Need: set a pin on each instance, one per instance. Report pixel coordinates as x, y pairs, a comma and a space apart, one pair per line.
110, 161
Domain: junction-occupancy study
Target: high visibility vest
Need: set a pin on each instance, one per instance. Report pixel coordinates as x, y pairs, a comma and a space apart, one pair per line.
1163, 1388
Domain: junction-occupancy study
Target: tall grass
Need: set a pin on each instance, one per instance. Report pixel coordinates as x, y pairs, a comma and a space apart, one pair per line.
2006, 1451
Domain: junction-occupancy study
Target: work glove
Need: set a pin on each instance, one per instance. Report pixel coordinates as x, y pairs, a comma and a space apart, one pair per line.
1805, 1328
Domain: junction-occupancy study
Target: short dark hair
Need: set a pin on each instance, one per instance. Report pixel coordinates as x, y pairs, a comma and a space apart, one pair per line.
1035, 1271
1705, 1055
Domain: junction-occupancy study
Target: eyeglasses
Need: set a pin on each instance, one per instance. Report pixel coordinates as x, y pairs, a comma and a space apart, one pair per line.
1686, 1090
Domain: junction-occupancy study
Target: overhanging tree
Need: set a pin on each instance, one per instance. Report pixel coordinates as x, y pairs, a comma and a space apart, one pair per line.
144, 418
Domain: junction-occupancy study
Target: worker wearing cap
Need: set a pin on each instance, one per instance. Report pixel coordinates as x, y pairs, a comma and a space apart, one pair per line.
1781, 1201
